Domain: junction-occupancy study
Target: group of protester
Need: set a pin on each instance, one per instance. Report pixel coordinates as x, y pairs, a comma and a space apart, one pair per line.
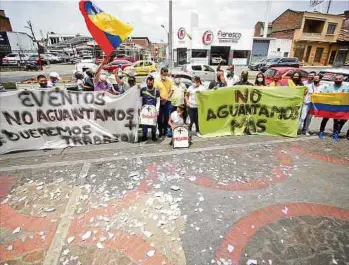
174, 102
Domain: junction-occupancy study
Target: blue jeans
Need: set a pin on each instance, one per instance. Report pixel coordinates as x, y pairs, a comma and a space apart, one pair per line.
164, 115
145, 131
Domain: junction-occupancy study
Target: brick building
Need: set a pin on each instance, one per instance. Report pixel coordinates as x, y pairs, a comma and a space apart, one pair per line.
259, 29
312, 34
5, 23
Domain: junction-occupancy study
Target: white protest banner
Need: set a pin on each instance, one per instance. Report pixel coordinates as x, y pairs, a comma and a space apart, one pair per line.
50, 119
180, 136
148, 115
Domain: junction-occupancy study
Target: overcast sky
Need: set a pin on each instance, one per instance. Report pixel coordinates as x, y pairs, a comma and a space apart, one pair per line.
147, 16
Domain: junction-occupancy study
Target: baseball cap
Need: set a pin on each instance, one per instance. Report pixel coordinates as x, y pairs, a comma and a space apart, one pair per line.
55, 75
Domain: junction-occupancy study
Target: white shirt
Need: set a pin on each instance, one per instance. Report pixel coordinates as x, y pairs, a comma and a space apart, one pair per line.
192, 98
176, 119
80, 84
311, 88
231, 80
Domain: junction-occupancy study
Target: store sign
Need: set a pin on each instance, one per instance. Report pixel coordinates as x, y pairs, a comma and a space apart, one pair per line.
228, 37
207, 37
181, 33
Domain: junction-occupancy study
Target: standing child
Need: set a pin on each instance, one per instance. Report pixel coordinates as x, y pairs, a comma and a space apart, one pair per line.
150, 96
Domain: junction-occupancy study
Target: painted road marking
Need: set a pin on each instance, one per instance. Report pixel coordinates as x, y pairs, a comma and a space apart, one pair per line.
150, 155
58, 241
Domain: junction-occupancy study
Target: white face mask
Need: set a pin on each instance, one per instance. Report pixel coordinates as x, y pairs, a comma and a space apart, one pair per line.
260, 79
177, 80
103, 78
163, 78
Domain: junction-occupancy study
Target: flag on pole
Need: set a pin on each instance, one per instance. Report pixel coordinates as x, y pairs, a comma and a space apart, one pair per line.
108, 31
330, 105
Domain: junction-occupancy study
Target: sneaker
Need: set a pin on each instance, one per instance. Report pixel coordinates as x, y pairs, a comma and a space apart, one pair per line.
321, 135
307, 133
335, 137
198, 134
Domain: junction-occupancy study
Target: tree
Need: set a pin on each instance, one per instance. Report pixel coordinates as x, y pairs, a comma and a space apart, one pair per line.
30, 27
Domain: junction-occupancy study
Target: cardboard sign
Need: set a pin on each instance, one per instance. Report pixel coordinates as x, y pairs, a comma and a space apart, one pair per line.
180, 136
148, 115
47, 119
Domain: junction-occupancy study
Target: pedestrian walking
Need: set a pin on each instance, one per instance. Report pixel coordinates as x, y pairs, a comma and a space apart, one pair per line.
164, 86
192, 104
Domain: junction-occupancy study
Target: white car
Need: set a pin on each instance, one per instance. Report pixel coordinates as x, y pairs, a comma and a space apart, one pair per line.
87, 59
82, 67
205, 72
14, 59
51, 58
216, 60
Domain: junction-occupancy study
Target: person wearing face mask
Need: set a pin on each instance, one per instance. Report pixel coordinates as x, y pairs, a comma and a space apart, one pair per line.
260, 80
164, 85
244, 80
295, 80
230, 77
220, 81
101, 82
178, 93
88, 80
190, 100
42, 80
337, 87
150, 96
53, 79
305, 118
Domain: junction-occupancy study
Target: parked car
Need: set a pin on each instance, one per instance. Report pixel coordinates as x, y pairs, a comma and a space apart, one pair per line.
51, 58
257, 66
35, 58
110, 67
216, 59
14, 59
141, 68
281, 62
285, 73
328, 75
87, 59
205, 72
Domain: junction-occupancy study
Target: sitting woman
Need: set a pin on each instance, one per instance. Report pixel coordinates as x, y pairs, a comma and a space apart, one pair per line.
177, 118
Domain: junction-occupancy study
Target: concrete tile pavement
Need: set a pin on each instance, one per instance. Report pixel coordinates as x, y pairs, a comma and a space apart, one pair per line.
223, 201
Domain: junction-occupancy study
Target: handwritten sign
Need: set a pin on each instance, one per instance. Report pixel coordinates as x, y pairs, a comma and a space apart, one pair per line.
148, 115
180, 136
41, 119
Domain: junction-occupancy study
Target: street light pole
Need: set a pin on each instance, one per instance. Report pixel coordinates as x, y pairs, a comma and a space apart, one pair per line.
170, 34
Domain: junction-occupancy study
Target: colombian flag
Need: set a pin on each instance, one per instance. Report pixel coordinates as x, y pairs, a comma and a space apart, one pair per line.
330, 105
108, 31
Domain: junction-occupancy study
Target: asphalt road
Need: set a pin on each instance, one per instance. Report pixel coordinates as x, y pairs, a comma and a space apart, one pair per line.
67, 70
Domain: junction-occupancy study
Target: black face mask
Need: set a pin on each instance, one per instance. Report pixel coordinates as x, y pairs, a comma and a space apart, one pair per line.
316, 82
43, 85
296, 79
150, 87
338, 83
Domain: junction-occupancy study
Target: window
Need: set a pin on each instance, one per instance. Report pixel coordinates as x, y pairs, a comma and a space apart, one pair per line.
290, 73
196, 68
208, 69
12, 55
278, 49
285, 54
331, 28
270, 73
288, 60
138, 64
240, 54
148, 64
199, 53
318, 55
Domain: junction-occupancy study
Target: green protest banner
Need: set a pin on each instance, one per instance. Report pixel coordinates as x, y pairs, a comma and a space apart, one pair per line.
246, 109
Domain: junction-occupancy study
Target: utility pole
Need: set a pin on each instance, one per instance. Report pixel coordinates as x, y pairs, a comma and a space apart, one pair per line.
329, 6
170, 34
266, 22
30, 27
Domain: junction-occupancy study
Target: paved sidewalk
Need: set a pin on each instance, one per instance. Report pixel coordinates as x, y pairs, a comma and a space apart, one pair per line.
230, 200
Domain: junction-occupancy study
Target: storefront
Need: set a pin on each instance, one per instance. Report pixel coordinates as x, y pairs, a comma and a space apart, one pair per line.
210, 46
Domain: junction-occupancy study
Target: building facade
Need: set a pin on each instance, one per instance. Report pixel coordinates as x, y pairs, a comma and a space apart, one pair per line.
269, 47
209, 45
312, 34
5, 23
